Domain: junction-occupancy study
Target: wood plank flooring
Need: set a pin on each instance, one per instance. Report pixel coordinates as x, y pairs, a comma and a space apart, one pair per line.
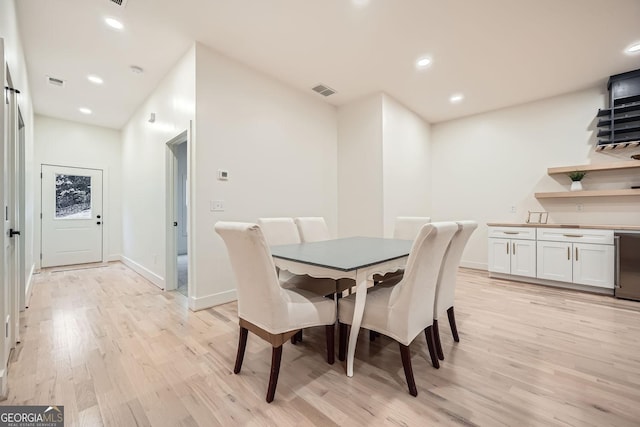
117, 351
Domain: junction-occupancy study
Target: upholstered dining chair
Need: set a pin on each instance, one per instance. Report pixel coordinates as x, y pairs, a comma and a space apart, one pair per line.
405, 228
445, 290
265, 308
405, 310
284, 231
314, 229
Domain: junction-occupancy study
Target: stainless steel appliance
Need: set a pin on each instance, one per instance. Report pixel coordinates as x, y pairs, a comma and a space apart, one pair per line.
627, 265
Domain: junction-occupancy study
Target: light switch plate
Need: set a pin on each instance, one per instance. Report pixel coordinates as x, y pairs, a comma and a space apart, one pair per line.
217, 205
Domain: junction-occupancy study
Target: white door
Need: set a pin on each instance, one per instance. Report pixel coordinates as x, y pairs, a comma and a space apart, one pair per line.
71, 215
593, 265
523, 258
555, 261
499, 256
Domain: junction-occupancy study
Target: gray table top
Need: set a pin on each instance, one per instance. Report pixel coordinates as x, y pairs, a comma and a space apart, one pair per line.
344, 254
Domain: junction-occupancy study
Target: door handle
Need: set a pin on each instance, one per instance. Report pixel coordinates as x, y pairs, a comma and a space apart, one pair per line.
507, 248
98, 223
568, 253
98, 216
175, 223
576, 254
13, 232
514, 249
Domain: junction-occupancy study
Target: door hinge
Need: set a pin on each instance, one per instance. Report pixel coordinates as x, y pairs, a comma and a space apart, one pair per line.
40, 215
40, 175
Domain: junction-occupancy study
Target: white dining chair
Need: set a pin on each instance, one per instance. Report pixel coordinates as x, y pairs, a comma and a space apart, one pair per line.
268, 310
284, 231
405, 228
405, 310
313, 229
445, 290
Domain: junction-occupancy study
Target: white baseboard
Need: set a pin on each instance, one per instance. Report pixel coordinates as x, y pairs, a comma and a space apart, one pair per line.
29, 286
209, 301
474, 265
143, 271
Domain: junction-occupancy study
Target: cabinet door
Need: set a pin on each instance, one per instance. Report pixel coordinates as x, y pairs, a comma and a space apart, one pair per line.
523, 258
499, 256
555, 261
593, 265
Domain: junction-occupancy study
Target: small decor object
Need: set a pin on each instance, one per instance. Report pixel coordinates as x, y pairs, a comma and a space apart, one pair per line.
537, 217
576, 177
636, 157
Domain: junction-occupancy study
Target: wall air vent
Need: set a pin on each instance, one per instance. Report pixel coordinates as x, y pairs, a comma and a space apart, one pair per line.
55, 82
122, 3
324, 90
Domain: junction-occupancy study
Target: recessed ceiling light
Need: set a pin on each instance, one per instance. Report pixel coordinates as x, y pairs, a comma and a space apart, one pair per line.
456, 97
114, 23
633, 49
95, 79
84, 110
423, 62
136, 70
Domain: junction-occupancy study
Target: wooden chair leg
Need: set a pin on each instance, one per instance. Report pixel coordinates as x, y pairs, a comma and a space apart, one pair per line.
452, 323
242, 345
299, 336
342, 341
436, 339
428, 333
372, 335
294, 339
405, 353
276, 357
331, 352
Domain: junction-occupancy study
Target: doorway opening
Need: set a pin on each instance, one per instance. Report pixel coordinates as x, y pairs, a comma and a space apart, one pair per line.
178, 214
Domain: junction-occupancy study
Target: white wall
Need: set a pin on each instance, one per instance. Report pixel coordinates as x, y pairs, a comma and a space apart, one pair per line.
14, 55
65, 143
384, 166
406, 160
144, 154
487, 163
279, 146
360, 196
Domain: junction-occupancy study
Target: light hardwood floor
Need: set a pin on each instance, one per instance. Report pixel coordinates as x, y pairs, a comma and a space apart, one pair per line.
115, 350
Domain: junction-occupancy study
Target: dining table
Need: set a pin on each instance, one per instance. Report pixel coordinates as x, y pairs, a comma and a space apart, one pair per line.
356, 258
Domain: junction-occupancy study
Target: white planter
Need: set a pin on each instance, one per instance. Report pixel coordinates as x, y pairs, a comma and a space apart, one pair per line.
576, 186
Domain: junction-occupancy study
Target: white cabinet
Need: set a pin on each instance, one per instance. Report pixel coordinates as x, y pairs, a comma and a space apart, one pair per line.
568, 260
512, 250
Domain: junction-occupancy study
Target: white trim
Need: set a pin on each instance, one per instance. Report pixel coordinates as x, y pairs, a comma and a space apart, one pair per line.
474, 265
553, 283
143, 271
114, 258
29, 287
3, 384
209, 301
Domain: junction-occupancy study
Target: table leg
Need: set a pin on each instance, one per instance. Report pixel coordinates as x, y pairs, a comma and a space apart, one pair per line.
361, 296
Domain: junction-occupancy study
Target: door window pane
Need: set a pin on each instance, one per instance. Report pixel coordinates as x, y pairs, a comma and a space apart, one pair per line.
73, 197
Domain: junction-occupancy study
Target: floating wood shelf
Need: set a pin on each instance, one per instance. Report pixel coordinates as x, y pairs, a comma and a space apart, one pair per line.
632, 164
587, 193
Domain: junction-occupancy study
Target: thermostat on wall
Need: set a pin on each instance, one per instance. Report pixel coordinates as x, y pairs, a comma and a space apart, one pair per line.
223, 175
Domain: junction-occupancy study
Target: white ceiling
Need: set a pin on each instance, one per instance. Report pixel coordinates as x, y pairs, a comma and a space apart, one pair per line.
497, 52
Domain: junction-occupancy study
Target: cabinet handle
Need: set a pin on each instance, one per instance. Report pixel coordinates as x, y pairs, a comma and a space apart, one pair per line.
576, 254
507, 248
511, 232
568, 253
573, 235
514, 248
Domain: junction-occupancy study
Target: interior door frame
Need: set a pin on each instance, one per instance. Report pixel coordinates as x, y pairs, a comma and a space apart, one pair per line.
106, 219
171, 256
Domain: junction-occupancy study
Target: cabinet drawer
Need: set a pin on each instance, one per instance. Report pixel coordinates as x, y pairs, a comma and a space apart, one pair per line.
524, 233
576, 235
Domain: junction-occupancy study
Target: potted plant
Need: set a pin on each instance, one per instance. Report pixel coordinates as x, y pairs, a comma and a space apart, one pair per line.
576, 177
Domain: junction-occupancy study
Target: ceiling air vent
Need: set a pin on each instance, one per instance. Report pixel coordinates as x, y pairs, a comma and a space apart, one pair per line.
55, 82
122, 3
324, 90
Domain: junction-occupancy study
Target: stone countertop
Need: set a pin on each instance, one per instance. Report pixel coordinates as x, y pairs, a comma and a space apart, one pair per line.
586, 226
